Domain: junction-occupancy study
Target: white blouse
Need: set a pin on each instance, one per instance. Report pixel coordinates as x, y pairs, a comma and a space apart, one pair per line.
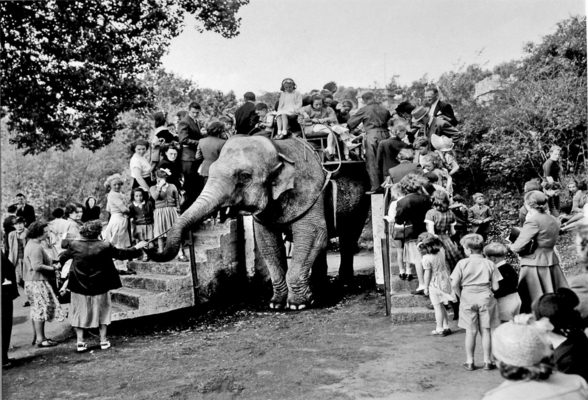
140, 162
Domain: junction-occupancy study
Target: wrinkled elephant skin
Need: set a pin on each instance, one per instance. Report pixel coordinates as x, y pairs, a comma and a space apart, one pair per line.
281, 183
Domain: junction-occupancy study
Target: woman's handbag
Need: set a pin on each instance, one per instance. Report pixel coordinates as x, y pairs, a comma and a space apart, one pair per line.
401, 232
529, 248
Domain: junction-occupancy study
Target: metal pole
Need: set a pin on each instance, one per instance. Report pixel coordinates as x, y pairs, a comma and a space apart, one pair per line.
195, 283
386, 267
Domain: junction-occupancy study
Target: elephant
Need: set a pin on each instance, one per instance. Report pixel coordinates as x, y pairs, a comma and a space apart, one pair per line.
283, 185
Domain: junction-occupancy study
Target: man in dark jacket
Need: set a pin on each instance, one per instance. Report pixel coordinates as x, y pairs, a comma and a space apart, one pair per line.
388, 151
189, 135
438, 108
9, 293
245, 116
25, 210
435, 125
375, 122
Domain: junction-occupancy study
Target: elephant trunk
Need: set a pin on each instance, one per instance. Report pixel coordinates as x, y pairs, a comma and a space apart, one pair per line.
211, 198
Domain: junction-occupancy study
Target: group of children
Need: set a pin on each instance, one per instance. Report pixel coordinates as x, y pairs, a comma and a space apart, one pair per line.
485, 284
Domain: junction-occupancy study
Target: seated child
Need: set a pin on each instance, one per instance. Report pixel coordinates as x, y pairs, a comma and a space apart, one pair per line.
509, 302
437, 281
266, 120
288, 106
480, 216
473, 280
432, 163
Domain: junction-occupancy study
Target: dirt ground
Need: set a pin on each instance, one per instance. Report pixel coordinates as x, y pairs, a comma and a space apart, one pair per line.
346, 351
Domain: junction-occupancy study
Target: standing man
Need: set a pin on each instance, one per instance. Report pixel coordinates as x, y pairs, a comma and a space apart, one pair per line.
375, 122
551, 171
388, 150
430, 126
245, 116
189, 135
438, 108
24, 210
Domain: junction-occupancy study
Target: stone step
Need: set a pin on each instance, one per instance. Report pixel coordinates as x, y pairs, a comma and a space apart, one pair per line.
167, 268
411, 314
137, 298
397, 285
405, 300
157, 282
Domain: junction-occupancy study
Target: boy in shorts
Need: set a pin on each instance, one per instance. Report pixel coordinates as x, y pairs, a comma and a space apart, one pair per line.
473, 280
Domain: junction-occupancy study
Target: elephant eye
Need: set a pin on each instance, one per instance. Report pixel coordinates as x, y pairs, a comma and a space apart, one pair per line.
244, 177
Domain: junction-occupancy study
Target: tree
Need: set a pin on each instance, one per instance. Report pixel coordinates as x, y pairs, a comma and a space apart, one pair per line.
70, 67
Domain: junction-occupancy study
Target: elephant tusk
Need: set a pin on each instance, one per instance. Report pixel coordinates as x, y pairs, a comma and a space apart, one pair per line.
227, 210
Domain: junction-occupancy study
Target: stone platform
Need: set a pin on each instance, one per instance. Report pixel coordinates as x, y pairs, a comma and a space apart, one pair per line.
161, 287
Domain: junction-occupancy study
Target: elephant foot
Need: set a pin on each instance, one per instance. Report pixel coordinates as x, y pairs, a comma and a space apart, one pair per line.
299, 303
277, 302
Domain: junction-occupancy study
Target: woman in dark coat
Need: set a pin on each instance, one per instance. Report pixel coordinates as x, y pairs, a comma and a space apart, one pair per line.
91, 210
411, 210
540, 272
91, 277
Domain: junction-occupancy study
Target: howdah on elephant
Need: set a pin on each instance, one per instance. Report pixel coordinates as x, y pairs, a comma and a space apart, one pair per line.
283, 185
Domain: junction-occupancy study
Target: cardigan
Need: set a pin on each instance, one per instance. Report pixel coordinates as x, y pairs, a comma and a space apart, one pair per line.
167, 198
34, 258
92, 270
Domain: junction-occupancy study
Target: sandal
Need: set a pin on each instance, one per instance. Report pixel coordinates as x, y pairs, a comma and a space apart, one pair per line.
46, 343
82, 346
105, 345
469, 366
437, 333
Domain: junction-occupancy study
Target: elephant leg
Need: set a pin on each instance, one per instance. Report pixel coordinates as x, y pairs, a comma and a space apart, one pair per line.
350, 229
271, 247
310, 239
319, 273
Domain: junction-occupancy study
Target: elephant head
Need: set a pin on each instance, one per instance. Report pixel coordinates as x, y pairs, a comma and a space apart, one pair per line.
274, 181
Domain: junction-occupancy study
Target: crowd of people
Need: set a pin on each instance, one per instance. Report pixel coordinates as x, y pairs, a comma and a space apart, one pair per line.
409, 158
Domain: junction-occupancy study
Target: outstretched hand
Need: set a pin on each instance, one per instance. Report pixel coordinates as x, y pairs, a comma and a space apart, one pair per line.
142, 244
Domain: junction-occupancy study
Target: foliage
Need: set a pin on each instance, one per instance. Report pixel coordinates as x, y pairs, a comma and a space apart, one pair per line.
269, 98
69, 68
506, 141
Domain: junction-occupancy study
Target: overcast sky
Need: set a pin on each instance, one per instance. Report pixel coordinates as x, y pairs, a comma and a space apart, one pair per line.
360, 42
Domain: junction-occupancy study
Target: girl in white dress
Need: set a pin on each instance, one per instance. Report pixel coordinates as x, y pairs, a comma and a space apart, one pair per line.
289, 105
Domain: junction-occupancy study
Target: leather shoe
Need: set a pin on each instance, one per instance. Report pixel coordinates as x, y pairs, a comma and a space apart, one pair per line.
409, 277
489, 366
469, 366
418, 292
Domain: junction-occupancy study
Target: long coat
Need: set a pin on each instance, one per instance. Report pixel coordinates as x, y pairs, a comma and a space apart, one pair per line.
92, 271
188, 135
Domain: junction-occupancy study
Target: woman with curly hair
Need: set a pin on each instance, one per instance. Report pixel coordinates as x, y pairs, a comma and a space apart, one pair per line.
520, 347
38, 272
540, 272
91, 278
169, 161
411, 211
117, 231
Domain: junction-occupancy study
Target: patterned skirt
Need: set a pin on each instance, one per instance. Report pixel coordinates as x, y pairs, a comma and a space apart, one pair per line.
90, 311
452, 252
164, 219
44, 303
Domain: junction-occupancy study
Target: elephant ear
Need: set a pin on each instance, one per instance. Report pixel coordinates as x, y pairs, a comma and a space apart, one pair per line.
283, 176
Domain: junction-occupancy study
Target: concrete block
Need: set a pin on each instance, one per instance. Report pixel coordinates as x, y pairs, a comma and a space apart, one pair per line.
378, 213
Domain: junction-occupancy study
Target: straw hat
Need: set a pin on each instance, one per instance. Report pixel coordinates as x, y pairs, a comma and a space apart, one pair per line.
442, 143
522, 342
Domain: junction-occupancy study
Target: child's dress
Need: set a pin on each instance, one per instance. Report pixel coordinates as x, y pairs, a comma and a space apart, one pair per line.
166, 207
289, 103
142, 216
440, 290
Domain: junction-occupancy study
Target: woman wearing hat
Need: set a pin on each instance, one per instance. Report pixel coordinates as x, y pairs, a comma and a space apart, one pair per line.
519, 347
117, 231
91, 278
568, 339
540, 272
